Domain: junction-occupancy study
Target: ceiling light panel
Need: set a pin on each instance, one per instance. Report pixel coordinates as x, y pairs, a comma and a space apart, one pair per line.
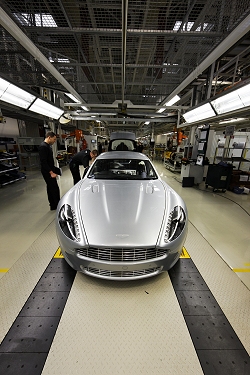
72, 97
172, 101
12, 94
201, 113
244, 94
46, 109
232, 101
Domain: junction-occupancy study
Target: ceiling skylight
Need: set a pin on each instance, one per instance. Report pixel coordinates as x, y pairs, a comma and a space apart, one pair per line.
41, 19
187, 26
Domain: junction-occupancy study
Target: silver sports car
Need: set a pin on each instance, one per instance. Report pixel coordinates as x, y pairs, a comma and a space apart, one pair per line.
121, 221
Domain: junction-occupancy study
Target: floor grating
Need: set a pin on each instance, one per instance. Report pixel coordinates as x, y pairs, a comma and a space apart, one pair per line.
218, 347
25, 347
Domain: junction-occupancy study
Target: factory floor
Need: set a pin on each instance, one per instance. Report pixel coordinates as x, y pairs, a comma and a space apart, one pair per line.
194, 319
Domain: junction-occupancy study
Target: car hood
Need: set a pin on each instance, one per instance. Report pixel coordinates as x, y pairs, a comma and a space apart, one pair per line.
122, 213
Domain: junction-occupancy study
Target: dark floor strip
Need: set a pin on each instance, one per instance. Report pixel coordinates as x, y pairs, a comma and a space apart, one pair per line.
25, 347
218, 347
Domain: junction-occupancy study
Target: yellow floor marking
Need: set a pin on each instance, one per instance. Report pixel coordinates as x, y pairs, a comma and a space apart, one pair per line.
241, 269
184, 253
58, 254
3, 270
247, 264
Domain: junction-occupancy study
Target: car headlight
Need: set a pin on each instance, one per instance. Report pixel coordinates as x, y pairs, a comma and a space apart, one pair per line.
68, 223
175, 224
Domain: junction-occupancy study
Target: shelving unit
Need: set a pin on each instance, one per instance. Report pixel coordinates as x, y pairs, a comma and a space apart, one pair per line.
237, 153
239, 157
9, 167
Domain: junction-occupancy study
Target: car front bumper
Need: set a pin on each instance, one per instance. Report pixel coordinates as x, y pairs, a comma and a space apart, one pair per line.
122, 270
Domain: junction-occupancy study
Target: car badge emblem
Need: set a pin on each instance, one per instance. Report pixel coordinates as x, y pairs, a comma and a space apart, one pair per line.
122, 235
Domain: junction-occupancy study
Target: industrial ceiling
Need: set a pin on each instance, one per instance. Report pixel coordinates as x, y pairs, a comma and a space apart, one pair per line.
123, 60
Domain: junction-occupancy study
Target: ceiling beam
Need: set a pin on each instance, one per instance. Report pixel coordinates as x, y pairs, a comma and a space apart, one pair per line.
122, 119
101, 31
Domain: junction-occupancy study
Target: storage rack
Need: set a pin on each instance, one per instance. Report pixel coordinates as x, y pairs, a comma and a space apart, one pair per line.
9, 168
238, 156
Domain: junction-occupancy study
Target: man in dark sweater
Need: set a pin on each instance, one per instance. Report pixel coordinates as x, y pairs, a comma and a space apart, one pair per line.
48, 169
81, 158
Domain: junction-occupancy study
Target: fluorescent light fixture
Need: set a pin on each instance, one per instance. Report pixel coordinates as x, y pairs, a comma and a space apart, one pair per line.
233, 100
61, 60
172, 101
46, 109
232, 120
161, 110
12, 94
227, 103
244, 94
169, 64
169, 103
147, 122
203, 112
3, 85
72, 97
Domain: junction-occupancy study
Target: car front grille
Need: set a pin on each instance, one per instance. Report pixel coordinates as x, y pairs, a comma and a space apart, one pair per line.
121, 255
121, 274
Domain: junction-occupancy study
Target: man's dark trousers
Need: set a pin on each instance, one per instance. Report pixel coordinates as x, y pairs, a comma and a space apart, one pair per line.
75, 171
52, 190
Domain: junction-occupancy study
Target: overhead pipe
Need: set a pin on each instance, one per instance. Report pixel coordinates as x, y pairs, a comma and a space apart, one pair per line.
121, 119
124, 43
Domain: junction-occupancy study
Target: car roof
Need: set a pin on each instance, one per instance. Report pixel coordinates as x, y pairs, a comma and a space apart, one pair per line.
122, 155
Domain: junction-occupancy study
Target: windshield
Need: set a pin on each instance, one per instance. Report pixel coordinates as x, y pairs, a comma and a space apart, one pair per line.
122, 169
122, 145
